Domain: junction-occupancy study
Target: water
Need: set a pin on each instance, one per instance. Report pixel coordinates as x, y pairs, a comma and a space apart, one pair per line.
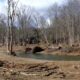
49, 57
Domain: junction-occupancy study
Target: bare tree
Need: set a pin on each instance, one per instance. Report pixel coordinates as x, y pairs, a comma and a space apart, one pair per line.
11, 15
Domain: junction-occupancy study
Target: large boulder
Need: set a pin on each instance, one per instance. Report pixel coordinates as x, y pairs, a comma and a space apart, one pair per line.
37, 49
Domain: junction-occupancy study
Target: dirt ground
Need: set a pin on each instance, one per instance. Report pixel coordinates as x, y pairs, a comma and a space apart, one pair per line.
13, 68
53, 50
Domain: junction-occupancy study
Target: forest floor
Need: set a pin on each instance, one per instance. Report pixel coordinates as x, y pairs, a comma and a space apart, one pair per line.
13, 68
53, 50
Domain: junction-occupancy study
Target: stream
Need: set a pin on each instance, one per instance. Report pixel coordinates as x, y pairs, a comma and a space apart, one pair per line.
42, 56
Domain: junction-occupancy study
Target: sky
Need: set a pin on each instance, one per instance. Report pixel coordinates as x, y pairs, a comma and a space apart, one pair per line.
37, 4
40, 3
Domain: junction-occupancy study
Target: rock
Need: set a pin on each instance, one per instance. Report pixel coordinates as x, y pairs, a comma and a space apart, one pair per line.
33, 66
62, 75
28, 50
13, 53
50, 73
59, 47
44, 68
14, 73
56, 67
37, 49
7, 73
76, 66
1, 63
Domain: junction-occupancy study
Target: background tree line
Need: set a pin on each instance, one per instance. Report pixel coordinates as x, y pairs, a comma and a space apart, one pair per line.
29, 27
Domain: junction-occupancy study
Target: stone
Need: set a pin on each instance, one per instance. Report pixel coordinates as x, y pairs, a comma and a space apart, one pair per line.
1, 63
28, 50
13, 53
37, 49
